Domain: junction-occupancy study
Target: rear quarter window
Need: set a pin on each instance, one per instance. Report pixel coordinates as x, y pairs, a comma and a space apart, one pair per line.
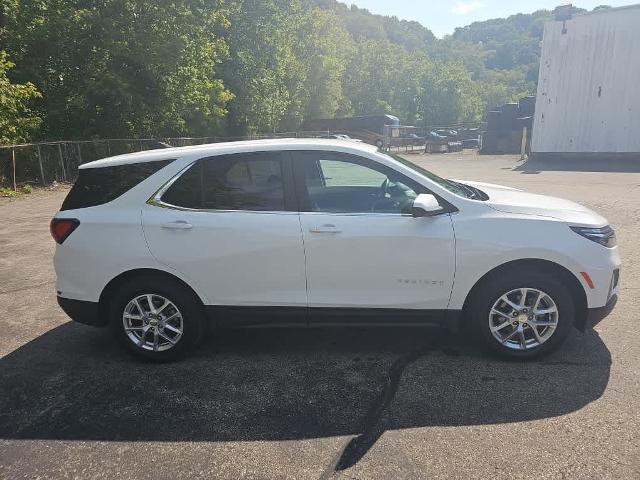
96, 186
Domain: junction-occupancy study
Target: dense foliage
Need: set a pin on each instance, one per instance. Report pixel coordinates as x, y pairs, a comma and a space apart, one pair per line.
137, 68
16, 120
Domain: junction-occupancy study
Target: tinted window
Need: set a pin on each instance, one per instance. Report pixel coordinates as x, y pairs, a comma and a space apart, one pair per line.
186, 191
231, 182
96, 186
344, 183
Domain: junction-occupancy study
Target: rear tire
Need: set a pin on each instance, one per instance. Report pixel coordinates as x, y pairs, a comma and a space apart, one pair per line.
520, 329
156, 319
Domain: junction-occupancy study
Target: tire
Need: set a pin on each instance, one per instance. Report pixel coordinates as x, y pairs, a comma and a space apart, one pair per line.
379, 143
552, 328
183, 312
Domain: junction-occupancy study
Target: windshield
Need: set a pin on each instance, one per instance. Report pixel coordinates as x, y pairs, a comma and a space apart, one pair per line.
456, 188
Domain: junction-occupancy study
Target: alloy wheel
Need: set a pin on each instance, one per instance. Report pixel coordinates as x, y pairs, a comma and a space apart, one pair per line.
523, 318
152, 322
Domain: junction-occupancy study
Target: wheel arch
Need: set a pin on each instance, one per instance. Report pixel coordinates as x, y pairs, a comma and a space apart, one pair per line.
575, 287
111, 287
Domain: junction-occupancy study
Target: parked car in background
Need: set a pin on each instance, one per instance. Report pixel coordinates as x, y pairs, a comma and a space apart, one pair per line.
435, 143
454, 146
164, 244
448, 133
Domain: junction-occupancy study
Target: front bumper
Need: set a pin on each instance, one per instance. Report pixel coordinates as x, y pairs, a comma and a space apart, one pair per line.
596, 315
82, 311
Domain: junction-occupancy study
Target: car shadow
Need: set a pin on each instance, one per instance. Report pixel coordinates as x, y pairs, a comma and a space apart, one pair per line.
74, 383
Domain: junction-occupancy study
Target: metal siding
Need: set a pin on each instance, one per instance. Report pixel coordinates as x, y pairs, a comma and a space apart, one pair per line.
599, 50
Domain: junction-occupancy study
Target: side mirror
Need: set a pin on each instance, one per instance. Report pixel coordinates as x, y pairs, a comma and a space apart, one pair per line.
426, 205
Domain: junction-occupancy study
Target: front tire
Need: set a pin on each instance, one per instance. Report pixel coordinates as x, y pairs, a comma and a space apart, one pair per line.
156, 319
522, 314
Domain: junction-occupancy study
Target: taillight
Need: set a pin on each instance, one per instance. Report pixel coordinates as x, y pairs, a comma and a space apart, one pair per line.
61, 228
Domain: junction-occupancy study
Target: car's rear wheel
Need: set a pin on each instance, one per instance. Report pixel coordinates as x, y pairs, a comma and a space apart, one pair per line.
156, 319
523, 314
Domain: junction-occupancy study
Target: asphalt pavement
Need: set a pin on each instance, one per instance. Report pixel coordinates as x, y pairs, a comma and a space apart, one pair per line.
319, 403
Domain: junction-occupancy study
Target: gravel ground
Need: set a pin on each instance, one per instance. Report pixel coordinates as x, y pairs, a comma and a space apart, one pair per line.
343, 403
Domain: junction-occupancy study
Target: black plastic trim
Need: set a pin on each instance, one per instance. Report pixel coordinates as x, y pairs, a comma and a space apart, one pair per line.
330, 316
596, 315
225, 316
288, 183
284, 316
82, 311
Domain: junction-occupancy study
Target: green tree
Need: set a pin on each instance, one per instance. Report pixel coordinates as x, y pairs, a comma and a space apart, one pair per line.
17, 121
261, 69
286, 62
501, 86
122, 67
374, 78
450, 96
323, 51
112, 68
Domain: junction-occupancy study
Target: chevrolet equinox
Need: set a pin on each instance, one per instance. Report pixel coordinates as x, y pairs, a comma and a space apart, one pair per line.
163, 244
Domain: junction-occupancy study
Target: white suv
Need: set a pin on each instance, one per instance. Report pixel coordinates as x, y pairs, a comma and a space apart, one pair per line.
162, 244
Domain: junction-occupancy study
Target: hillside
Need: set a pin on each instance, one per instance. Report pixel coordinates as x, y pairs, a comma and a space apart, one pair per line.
509, 42
363, 25
133, 68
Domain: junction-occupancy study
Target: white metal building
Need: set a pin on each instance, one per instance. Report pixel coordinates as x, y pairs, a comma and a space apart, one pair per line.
588, 98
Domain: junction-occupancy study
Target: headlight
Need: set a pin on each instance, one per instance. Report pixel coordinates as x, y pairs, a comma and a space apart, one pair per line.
604, 235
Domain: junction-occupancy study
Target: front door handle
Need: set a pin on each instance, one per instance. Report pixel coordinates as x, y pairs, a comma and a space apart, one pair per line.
177, 225
326, 228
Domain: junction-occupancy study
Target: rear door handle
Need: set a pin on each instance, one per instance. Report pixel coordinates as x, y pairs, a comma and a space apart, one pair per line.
326, 228
177, 225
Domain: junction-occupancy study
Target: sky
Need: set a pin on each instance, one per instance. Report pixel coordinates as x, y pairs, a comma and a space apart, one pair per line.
443, 16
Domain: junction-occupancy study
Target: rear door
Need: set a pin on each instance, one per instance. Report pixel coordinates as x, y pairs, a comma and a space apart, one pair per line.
363, 247
229, 225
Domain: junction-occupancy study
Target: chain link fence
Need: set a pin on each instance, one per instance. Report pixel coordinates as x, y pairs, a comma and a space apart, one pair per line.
45, 162
57, 161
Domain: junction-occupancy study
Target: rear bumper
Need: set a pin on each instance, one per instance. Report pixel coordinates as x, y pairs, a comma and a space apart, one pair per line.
596, 315
82, 311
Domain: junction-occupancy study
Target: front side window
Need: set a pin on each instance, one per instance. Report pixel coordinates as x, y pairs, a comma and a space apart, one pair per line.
343, 183
251, 181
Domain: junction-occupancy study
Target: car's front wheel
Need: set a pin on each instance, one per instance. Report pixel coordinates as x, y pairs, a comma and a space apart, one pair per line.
156, 319
523, 314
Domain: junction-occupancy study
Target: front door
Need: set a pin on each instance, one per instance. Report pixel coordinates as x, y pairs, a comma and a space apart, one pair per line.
227, 226
363, 248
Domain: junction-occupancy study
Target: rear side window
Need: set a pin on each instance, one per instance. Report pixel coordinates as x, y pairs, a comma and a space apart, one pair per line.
96, 186
250, 181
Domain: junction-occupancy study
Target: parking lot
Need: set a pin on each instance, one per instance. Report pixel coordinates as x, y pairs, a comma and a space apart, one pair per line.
334, 403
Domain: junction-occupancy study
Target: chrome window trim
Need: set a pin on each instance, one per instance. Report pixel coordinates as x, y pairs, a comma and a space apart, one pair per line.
359, 214
156, 201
